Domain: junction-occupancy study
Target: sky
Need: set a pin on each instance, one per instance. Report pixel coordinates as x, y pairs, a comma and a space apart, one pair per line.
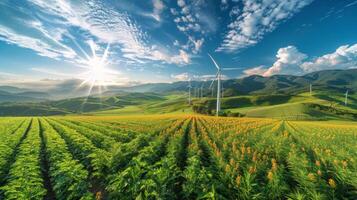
128, 42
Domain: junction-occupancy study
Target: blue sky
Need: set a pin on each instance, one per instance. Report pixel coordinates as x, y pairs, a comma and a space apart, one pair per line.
45, 42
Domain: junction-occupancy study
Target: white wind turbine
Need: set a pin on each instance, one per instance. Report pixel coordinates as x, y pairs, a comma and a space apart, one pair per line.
218, 78
189, 91
201, 96
346, 97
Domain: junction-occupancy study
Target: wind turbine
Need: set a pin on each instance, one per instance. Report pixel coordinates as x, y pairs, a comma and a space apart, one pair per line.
346, 97
202, 89
222, 90
189, 91
218, 77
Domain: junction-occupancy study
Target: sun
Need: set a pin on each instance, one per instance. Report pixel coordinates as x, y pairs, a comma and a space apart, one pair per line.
97, 72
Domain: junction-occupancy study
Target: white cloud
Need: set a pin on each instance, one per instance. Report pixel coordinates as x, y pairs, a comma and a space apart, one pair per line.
181, 3
176, 43
95, 18
260, 70
158, 8
189, 22
183, 58
235, 11
181, 77
344, 57
36, 44
177, 19
351, 4
197, 44
185, 10
291, 61
257, 19
288, 61
224, 4
173, 11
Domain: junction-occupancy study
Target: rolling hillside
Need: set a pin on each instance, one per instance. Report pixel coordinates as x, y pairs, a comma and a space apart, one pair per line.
255, 96
78, 105
332, 80
22, 96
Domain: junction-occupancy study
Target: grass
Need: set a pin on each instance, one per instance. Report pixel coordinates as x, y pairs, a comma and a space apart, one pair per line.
172, 104
274, 106
299, 106
127, 110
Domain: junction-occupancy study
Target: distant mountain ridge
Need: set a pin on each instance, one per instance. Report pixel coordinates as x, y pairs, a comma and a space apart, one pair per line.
13, 94
328, 80
336, 80
77, 105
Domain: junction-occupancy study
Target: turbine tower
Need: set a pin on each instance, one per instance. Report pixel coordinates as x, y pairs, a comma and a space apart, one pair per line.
202, 89
346, 97
222, 90
189, 91
310, 89
218, 77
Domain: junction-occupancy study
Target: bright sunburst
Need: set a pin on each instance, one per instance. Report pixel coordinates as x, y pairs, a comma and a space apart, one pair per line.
97, 73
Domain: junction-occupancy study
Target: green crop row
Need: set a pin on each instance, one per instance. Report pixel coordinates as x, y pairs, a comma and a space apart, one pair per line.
25, 179
69, 178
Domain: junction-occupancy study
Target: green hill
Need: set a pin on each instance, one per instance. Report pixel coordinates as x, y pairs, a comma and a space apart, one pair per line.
331, 80
78, 105
301, 106
167, 104
280, 96
21, 97
29, 109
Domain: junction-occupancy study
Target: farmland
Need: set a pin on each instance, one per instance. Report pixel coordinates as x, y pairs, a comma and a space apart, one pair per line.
176, 157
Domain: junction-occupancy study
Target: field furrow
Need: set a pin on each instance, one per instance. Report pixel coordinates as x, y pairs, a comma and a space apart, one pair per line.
24, 180
176, 157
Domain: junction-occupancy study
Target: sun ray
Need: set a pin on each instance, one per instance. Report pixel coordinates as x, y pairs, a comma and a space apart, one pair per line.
97, 74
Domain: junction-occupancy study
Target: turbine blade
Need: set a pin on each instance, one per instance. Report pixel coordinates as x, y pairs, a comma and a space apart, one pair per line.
212, 83
214, 62
215, 78
228, 69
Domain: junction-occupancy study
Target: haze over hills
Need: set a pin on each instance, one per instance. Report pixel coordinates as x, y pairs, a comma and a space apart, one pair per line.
329, 80
240, 94
336, 80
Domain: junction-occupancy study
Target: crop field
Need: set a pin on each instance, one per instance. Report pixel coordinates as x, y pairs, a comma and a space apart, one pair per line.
176, 157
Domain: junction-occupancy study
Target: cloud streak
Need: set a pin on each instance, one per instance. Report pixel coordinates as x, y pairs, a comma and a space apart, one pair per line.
36, 44
96, 20
257, 19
